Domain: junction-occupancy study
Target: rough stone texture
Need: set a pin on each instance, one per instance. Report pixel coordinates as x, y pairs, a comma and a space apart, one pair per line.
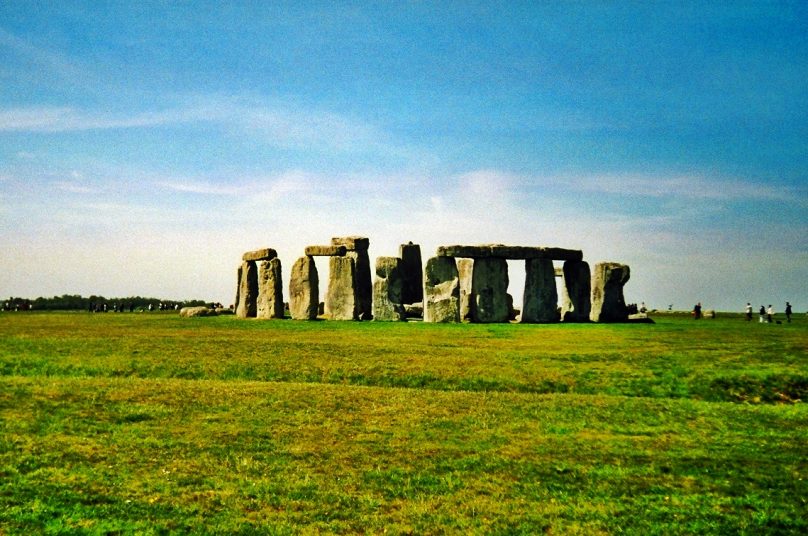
412, 273
540, 301
188, 312
341, 301
357, 247
304, 290
260, 255
608, 303
489, 290
441, 290
326, 251
500, 251
270, 290
247, 290
238, 287
387, 289
352, 243
576, 292
414, 310
464, 270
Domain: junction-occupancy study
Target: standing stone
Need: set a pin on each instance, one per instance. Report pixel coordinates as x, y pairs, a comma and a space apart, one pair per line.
489, 289
576, 292
608, 303
270, 290
387, 290
464, 271
341, 301
540, 301
247, 290
441, 290
412, 273
357, 249
304, 291
238, 287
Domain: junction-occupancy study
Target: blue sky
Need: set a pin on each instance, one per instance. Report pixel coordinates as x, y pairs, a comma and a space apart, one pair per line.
145, 145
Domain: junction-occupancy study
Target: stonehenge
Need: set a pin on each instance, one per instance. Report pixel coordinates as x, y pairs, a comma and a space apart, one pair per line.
461, 283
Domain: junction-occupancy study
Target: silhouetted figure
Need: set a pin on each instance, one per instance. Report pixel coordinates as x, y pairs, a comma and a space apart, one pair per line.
697, 311
788, 312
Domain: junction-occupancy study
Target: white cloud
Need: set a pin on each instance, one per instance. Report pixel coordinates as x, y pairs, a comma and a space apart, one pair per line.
74, 187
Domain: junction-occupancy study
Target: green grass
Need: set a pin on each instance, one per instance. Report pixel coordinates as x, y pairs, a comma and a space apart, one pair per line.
155, 424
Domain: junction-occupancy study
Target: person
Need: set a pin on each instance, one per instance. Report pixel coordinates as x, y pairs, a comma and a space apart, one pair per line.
770, 313
788, 312
643, 309
748, 311
762, 314
697, 311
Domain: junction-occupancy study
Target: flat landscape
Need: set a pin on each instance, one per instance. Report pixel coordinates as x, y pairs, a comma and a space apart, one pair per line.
153, 424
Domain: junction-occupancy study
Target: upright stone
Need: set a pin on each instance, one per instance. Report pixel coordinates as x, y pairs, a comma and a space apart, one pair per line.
270, 289
412, 273
304, 291
387, 290
464, 271
238, 288
540, 301
576, 292
489, 289
441, 290
357, 249
341, 302
608, 303
247, 290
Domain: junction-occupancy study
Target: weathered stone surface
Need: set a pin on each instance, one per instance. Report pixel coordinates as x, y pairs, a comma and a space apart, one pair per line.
304, 290
500, 251
260, 255
248, 290
441, 290
540, 300
489, 289
351, 243
412, 272
414, 310
341, 301
387, 288
270, 290
188, 312
464, 270
576, 292
325, 251
608, 303
238, 288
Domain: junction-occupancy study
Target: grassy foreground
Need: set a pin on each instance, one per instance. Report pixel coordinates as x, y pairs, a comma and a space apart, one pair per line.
156, 424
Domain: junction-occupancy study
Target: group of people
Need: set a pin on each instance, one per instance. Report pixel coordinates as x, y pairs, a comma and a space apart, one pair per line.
766, 315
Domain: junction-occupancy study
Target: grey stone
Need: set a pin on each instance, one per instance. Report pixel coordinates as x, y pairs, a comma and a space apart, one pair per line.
248, 290
441, 290
326, 251
352, 243
464, 271
489, 289
412, 273
188, 312
540, 300
501, 251
608, 303
414, 310
260, 255
304, 290
576, 292
357, 247
387, 289
341, 302
238, 288
270, 290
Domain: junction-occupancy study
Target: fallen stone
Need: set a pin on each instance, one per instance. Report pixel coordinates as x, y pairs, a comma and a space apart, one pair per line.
608, 303
188, 312
441, 290
260, 255
270, 290
540, 300
304, 290
387, 288
326, 251
414, 310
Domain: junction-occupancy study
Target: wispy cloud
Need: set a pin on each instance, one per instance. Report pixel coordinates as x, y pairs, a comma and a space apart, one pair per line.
74, 187
67, 119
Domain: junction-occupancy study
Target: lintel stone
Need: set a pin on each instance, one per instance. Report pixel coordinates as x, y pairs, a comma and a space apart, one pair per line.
265, 254
352, 243
500, 251
326, 251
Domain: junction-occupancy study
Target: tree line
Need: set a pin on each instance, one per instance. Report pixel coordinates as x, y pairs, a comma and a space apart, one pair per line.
76, 302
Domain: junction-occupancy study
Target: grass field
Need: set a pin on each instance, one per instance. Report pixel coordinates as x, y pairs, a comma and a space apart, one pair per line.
150, 423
